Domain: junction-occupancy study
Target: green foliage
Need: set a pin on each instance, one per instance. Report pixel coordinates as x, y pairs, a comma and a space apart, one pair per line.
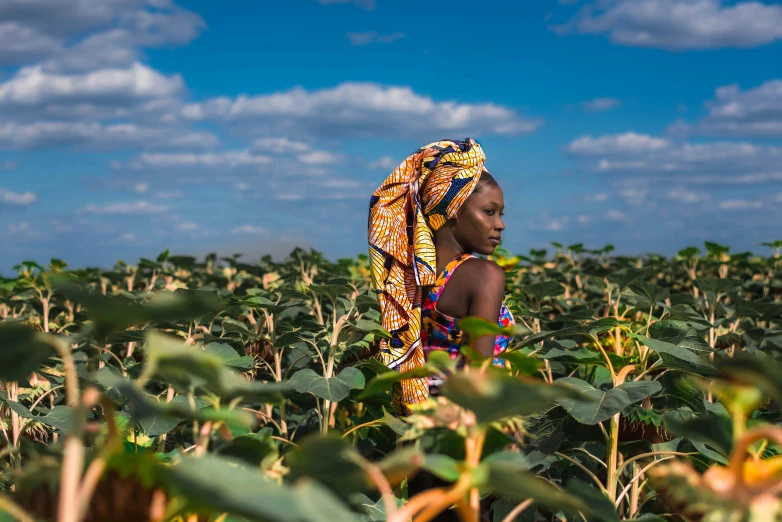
248, 391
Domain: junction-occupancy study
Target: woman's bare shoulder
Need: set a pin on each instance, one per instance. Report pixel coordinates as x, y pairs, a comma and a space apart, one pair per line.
482, 273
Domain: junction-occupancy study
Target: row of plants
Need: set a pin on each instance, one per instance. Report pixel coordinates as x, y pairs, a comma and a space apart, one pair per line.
638, 388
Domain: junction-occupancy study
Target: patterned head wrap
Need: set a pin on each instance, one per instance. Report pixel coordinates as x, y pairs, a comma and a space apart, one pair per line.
426, 190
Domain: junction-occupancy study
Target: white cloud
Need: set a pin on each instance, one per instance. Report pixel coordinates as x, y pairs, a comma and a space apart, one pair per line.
169, 194
384, 163
32, 85
751, 112
686, 196
584, 219
8, 165
187, 226
549, 223
17, 198
629, 142
233, 158
371, 37
22, 135
280, 145
364, 4
632, 152
340, 183
249, 230
141, 187
289, 196
125, 208
680, 24
739, 204
615, 215
79, 33
602, 104
19, 43
633, 195
360, 110
319, 157
597, 198
22, 228
128, 236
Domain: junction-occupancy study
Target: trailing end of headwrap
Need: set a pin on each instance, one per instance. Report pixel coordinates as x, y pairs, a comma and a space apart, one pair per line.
419, 197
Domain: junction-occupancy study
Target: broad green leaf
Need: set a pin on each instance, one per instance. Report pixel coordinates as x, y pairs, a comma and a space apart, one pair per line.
330, 461
506, 478
542, 290
708, 428
604, 405
677, 357
487, 395
438, 361
717, 284
521, 363
601, 507
678, 333
22, 351
331, 291
477, 328
115, 313
760, 371
715, 249
228, 485
318, 503
333, 389
59, 417
689, 252
443, 467
229, 356
162, 417
622, 278
651, 291
170, 359
397, 425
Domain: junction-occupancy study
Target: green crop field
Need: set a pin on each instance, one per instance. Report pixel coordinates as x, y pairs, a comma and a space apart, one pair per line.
639, 388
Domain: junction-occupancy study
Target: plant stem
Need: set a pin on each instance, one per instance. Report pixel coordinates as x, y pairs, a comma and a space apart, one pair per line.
518, 510
73, 448
12, 508
636, 477
634, 494
584, 469
13, 394
359, 426
612, 451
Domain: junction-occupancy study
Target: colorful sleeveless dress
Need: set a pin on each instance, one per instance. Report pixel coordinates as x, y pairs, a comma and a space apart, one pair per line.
439, 331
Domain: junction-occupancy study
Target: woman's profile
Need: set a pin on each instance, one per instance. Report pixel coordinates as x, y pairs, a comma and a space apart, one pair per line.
427, 221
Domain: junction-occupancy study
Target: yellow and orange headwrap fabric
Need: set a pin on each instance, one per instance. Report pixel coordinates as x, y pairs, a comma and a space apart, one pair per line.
426, 190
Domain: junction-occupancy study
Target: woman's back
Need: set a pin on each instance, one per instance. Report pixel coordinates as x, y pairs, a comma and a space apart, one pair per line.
439, 330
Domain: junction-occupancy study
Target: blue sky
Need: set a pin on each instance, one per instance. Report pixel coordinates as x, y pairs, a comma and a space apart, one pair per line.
129, 126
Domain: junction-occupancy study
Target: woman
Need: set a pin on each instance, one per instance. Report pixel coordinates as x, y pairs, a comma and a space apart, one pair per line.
427, 219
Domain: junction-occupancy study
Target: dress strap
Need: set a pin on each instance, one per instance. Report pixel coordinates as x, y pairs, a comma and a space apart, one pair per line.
450, 268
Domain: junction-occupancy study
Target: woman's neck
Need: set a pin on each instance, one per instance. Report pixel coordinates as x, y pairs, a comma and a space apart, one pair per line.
447, 248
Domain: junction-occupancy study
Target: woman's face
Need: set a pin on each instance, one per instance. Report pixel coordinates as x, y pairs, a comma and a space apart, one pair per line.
479, 222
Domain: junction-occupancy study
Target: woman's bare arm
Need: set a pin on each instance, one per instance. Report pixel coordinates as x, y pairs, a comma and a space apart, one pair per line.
486, 283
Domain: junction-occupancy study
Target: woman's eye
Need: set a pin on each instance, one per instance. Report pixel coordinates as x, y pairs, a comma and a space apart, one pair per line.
490, 212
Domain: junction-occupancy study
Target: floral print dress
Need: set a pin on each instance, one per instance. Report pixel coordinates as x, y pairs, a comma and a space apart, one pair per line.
439, 331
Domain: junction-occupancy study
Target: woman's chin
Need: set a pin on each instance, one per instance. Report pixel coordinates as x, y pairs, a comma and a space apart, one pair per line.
486, 250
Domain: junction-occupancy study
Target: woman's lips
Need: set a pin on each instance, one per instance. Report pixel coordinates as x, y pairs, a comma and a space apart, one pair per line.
494, 241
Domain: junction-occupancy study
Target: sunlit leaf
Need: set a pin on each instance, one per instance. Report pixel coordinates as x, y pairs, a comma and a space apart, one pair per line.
604, 404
